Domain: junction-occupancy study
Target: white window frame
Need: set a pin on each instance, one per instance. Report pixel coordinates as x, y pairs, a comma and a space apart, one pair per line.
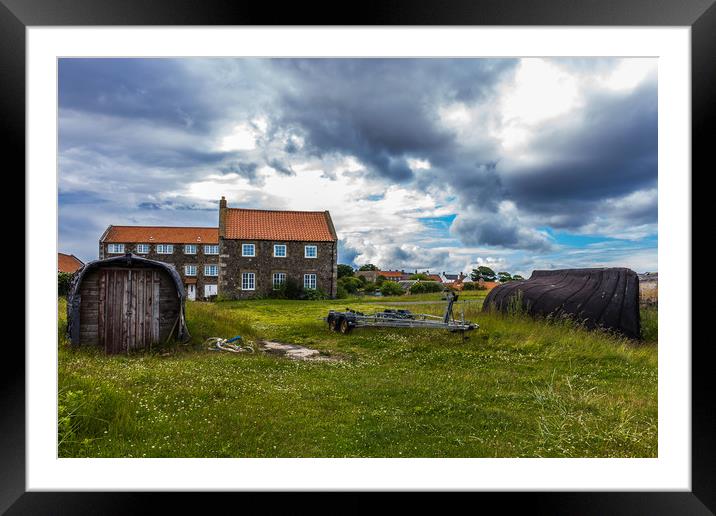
243, 246
140, 247
165, 248
207, 247
305, 251
189, 246
115, 248
276, 285
211, 286
208, 267
187, 270
308, 277
248, 279
285, 250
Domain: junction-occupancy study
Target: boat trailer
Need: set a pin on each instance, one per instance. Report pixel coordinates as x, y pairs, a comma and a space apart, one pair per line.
345, 322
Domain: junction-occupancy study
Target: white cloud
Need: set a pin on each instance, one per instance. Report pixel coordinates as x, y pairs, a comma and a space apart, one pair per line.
241, 137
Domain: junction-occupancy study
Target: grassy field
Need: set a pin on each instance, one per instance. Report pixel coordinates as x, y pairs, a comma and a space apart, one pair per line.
516, 388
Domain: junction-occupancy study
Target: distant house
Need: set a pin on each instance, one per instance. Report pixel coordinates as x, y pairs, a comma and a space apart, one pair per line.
68, 263
388, 275
193, 251
448, 278
489, 285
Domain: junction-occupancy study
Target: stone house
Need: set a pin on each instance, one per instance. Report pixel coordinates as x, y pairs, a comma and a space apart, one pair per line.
193, 251
261, 249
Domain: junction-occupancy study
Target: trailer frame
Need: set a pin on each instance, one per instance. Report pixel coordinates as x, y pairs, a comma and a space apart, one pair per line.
346, 321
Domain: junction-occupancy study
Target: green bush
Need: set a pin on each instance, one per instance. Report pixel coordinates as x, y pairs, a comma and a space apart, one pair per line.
290, 289
391, 288
469, 286
63, 283
424, 287
341, 293
350, 284
314, 294
344, 270
369, 287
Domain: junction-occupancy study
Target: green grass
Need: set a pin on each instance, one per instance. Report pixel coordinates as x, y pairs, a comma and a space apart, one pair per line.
516, 388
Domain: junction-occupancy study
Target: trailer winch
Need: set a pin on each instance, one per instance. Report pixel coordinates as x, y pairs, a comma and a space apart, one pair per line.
345, 322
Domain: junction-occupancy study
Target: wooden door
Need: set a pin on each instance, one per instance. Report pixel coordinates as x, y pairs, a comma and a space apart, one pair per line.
128, 309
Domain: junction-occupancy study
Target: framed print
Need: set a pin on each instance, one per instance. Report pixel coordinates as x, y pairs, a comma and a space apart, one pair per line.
414, 250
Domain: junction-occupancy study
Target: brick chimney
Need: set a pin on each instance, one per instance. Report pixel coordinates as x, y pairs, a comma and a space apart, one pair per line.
222, 216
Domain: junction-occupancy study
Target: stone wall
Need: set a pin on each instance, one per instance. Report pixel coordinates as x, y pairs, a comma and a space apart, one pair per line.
179, 260
264, 265
649, 288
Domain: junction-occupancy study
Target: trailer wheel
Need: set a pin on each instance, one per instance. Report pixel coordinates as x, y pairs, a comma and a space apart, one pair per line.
345, 328
333, 323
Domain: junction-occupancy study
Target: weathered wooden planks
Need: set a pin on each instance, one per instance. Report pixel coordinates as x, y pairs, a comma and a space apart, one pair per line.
125, 303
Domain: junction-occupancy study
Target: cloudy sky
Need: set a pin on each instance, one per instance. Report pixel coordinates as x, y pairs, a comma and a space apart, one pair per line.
438, 164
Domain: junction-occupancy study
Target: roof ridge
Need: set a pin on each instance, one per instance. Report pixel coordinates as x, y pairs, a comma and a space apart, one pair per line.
277, 211
166, 227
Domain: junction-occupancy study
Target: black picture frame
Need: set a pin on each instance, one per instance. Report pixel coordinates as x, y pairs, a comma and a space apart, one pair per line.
700, 15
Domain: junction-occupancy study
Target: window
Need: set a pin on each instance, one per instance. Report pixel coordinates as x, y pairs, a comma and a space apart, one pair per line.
165, 248
142, 248
248, 250
211, 249
190, 270
279, 278
210, 290
115, 248
279, 251
190, 249
311, 251
211, 270
248, 281
309, 281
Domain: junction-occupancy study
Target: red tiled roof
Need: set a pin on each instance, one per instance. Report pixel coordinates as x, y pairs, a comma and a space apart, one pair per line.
68, 262
491, 284
306, 226
161, 235
392, 274
434, 277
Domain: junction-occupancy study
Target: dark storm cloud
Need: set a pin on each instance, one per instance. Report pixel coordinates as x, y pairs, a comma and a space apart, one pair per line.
499, 231
381, 111
249, 170
280, 166
607, 150
134, 88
